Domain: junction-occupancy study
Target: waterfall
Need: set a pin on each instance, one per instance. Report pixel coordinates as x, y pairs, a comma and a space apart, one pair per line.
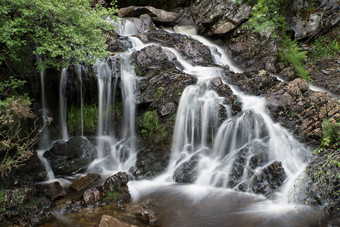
63, 104
80, 77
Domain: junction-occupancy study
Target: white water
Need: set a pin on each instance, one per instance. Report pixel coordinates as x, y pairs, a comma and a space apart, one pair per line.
63, 105
79, 69
214, 148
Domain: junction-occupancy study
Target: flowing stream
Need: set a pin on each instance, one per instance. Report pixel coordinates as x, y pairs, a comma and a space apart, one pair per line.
215, 152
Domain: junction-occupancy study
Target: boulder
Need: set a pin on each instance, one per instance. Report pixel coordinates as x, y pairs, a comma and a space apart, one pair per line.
84, 182
73, 156
269, 178
158, 16
115, 188
187, 172
91, 196
53, 190
191, 50
152, 60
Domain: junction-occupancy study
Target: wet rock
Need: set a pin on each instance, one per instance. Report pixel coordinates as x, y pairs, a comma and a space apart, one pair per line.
147, 216
191, 50
238, 167
243, 186
116, 189
144, 24
109, 221
187, 172
268, 178
160, 17
254, 83
84, 182
53, 190
67, 158
153, 57
91, 196
225, 91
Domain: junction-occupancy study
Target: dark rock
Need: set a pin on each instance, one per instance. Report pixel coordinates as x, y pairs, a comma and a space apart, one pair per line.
109, 221
269, 178
144, 24
70, 157
91, 195
84, 182
161, 17
53, 190
25, 206
187, 172
215, 17
116, 189
254, 83
243, 186
192, 50
153, 57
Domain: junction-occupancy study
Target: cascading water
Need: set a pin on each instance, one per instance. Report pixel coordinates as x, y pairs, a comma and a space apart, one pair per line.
211, 149
79, 69
62, 104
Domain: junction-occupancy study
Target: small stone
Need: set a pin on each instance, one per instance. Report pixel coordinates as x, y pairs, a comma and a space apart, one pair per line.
109, 221
54, 190
91, 195
325, 72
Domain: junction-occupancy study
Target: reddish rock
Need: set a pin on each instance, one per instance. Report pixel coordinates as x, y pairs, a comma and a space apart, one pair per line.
109, 221
84, 182
91, 195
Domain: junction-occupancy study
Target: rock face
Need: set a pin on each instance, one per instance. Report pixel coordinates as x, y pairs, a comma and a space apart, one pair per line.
320, 16
70, 157
216, 17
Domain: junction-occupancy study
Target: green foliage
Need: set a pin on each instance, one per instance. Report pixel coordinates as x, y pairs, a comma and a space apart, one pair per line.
323, 47
90, 115
63, 32
158, 93
293, 54
266, 17
150, 124
331, 132
16, 144
112, 195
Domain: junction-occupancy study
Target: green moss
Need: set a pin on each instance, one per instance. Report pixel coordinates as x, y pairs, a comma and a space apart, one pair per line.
331, 131
112, 196
159, 93
90, 115
149, 124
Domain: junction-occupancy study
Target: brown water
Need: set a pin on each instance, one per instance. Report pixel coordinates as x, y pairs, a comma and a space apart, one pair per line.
182, 206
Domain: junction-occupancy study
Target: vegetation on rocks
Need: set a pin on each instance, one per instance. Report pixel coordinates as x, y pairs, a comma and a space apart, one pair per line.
150, 124
16, 141
90, 118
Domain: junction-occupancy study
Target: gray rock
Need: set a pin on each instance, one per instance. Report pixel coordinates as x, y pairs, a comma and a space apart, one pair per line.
73, 156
